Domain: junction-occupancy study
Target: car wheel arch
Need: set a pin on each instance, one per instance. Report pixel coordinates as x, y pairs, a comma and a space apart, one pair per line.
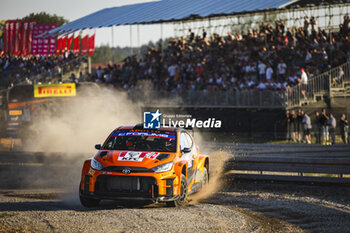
206, 165
184, 170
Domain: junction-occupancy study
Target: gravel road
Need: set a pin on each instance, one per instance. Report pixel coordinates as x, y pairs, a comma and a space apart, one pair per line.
36, 196
40, 211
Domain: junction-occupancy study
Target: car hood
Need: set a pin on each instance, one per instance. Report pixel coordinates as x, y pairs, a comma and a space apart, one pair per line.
145, 159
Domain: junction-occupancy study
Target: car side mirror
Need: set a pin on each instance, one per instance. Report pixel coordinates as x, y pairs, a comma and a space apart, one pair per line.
186, 150
98, 146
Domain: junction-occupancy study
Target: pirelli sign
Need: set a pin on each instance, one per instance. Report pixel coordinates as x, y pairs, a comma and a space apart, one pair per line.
54, 90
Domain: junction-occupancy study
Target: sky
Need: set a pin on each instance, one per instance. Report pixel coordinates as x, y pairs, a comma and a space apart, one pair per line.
75, 9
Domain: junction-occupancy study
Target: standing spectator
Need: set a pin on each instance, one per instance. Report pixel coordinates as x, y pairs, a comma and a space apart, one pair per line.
332, 126
344, 128
300, 130
307, 128
261, 69
292, 124
269, 72
191, 36
81, 77
317, 128
172, 70
204, 35
289, 131
346, 23
306, 26
314, 28
73, 79
338, 80
323, 122
303, 82
282, 68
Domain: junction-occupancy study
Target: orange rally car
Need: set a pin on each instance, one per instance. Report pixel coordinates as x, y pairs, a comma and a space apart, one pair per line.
159, 165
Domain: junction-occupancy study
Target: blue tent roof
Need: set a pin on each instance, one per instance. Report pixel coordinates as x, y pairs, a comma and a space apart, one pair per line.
167, 10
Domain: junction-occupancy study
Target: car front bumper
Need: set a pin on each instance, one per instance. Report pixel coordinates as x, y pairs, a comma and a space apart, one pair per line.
156, 187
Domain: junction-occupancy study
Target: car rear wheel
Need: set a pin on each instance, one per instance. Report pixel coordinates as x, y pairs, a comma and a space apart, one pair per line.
182, 200
88, 202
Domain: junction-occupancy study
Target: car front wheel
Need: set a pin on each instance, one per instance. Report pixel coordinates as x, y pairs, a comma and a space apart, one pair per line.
88, 202
182, 200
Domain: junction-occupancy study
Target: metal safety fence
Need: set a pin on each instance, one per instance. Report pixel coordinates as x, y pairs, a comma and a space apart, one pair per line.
304, 166
244, 98
332, 81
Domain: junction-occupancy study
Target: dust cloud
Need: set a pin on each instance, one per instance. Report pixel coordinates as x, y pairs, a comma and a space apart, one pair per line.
67, 130
217, 161
76, 125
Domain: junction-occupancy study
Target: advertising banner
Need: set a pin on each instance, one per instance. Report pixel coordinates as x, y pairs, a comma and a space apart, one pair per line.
59, 44
32, 23
27, 36
17, 38
70, 40
54, 90
5, 37
43, 45
76, 46
92, 42
84, 42
64, 44
11, 27
25, 32
2, 29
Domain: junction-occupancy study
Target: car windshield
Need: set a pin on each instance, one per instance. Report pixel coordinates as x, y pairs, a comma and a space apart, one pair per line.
158, 141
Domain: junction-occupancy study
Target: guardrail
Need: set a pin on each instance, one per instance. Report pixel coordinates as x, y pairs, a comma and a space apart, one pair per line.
244, 98
318, 169
320, 85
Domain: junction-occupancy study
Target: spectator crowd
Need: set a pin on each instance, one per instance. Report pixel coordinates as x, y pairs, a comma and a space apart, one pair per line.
324, 127
270, 57
265, 58
27, 69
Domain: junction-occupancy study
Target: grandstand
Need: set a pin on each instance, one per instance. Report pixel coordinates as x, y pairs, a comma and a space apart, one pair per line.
225, 52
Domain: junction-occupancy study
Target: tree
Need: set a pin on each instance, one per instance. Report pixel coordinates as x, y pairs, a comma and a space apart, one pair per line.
44, 17
102, 54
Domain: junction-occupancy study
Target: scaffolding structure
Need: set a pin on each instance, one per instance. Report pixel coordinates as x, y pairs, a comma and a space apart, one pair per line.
328, 17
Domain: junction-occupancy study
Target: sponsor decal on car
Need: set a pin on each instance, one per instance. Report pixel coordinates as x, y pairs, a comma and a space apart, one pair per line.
152, 155
136, 156
148, 134
91, 171
106, 173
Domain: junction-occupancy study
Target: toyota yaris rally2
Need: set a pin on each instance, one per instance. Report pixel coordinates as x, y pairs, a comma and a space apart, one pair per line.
158, 165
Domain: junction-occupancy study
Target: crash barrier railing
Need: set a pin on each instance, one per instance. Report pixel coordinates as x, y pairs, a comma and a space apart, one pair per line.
291, 168
319, 86
244, 98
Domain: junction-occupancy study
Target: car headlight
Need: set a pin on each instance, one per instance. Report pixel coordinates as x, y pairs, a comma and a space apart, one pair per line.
164, 167
96, 164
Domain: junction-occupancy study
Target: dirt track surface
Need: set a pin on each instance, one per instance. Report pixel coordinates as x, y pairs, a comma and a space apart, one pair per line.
256, 208
38, 194
30, 211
